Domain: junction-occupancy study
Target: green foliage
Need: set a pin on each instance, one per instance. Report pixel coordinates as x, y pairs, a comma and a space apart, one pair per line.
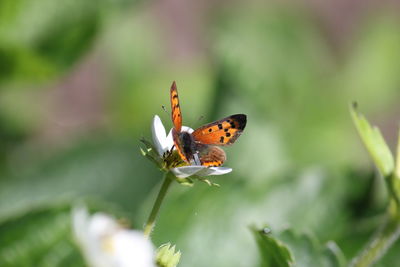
397, 171
375, 143
290, 249
166, 256
379, 152
98, 170
389, 230
273, 252
36, 45
208, 215
39, 238
298, 161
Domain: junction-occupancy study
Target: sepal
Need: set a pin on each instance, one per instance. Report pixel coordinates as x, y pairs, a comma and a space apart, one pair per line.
166, 256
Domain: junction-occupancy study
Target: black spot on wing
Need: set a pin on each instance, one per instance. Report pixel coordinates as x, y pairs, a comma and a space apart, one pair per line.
221, 140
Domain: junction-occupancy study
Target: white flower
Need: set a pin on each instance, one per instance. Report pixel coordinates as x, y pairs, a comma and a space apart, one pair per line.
186, 171
164, 143
105, 243
161, 141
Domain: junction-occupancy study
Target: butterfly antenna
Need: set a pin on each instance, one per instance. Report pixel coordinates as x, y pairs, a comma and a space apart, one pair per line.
165, 109
200, 118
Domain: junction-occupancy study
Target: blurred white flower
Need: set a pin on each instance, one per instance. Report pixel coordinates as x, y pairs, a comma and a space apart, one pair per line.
164, 143
105, 243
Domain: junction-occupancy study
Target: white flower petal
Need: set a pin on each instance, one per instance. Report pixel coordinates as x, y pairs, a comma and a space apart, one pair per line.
79, 220
105, 243
159, 135
170, 140
133, 249
214, 171
186, 171
101, 223
187, 129
88, 237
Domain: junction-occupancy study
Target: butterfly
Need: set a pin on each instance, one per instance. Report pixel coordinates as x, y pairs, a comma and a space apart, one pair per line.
201, 146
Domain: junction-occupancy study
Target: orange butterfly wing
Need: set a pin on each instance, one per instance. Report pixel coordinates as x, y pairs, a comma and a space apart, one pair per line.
178, 145
175, 108
212, 156
222, 132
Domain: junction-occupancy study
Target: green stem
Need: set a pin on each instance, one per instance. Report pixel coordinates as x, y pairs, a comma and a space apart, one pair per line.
385, 236
156, 207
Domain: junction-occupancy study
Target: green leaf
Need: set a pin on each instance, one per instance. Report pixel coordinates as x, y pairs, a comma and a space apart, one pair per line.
273, 251
288, 248
397, 171
39, 238
374, 142
308, 251
102, 170
166, 256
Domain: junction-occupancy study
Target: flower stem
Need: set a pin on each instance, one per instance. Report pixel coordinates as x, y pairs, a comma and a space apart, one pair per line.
385, 236
156, 207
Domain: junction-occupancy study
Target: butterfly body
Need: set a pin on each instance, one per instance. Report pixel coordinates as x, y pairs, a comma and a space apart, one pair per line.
185, 145
201, 146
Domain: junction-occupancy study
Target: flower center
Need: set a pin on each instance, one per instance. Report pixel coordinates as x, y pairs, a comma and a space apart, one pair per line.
171, 159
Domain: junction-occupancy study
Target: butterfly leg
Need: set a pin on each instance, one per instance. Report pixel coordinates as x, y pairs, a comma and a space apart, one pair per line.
196, 159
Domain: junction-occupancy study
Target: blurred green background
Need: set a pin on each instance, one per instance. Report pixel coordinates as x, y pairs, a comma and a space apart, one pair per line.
80, 82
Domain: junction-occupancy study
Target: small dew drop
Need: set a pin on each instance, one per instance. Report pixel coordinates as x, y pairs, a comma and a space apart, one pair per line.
266, 231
